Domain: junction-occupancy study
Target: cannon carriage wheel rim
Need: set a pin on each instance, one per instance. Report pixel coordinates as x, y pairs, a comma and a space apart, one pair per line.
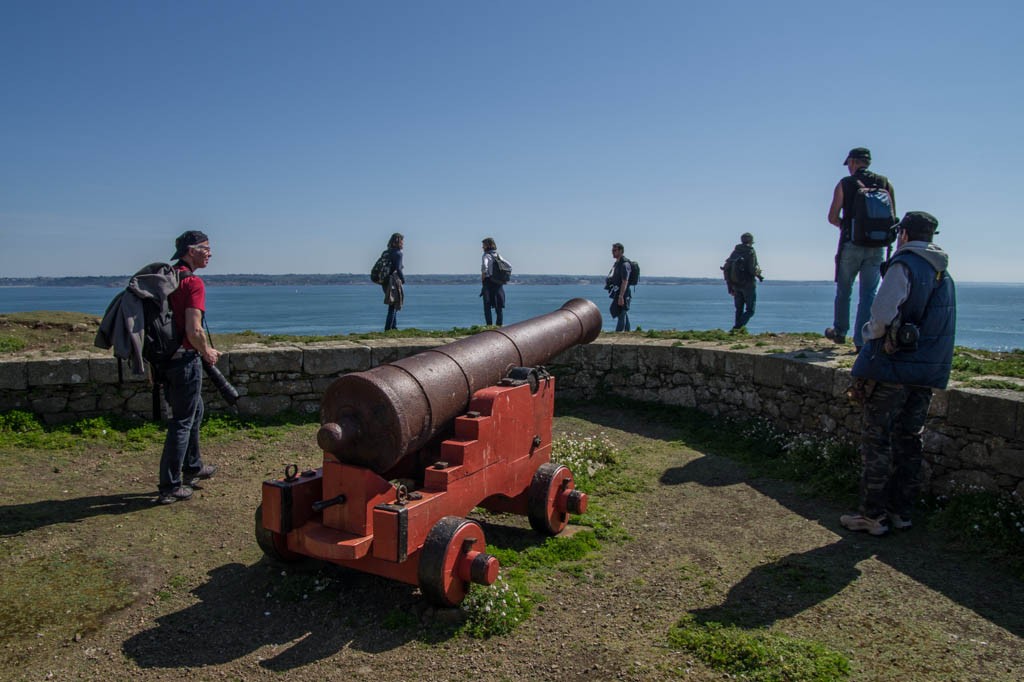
542, 506
438, 567
274, 545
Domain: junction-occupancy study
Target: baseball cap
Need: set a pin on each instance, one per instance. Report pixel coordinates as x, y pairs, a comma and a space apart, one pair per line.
858, 153
187, 239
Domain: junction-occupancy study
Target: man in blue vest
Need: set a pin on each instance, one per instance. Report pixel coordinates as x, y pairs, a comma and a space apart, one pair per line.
908, 352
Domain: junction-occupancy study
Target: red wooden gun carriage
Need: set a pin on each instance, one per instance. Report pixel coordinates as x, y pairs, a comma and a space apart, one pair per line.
411, 447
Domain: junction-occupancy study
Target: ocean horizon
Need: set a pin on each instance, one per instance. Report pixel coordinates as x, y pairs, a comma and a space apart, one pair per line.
989, 315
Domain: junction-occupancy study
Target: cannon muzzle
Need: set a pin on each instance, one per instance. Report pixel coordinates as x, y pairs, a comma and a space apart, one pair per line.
375, 418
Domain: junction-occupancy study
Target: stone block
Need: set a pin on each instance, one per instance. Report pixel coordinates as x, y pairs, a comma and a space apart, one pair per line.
685, 359
335, 359
597, 355
768, 370
974, 456
959, 482
288, 388
50, 404
978, 412
13, 375
104, 371
264, 406
739, 365
85, 403
383, 351
1008, 461
681, 396
939, 406
13, 400
711, 361
654, 359
264, 360
625, 359
57, 372
808, 377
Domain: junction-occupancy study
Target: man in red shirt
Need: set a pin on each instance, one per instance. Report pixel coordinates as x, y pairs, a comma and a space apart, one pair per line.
181, 465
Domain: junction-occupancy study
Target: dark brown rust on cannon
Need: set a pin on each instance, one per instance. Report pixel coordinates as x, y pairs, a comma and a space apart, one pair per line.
377, 417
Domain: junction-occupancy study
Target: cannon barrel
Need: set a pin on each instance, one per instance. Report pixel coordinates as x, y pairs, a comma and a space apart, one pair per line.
377, 417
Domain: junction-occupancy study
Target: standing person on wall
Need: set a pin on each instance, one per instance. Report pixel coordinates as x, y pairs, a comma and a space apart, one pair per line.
617, 286
394, 284
494, 273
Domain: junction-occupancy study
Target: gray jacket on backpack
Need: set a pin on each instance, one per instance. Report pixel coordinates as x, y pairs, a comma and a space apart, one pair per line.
123, 324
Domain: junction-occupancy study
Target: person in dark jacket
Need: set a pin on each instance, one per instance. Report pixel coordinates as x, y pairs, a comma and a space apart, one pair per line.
617, 286
742, 279
492, 290
854, 261
908, 352
394, 286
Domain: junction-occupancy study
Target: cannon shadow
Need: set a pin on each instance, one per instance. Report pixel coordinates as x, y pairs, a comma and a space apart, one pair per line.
19, 518
234, 617
799, 581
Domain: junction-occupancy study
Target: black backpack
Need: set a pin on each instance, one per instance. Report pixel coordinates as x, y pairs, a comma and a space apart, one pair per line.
501, 271
634, 272
737, 270
873, 214
381, 270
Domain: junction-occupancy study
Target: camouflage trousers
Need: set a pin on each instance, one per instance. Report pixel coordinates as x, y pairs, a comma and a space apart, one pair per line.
890, 449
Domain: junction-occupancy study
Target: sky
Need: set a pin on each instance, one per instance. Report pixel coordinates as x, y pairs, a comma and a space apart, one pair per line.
300, 135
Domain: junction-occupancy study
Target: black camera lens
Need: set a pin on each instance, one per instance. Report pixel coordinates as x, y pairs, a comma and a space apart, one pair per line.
228, 392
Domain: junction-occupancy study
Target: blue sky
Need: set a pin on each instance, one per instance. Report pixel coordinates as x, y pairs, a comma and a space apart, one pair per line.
300, 135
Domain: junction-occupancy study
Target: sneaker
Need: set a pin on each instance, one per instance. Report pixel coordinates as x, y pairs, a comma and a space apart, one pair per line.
900, 522
834, 337
179, 494
206, 472
860, 522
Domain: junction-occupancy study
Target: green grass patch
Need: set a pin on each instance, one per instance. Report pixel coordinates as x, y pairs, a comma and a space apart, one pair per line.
596, 465
57, 597
758, 655
999, 384
983, 523
968, 362
497, 610
20, 429
10, 344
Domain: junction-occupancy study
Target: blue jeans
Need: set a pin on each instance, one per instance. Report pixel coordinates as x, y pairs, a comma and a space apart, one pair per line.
184, 393
854, 261
621, 313
745, 299
392, 319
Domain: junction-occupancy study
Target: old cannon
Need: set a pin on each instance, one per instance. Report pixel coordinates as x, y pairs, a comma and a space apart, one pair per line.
411, 447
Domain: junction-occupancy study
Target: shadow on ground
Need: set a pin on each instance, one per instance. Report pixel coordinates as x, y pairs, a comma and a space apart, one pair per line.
19, 518
238, 613
799, 581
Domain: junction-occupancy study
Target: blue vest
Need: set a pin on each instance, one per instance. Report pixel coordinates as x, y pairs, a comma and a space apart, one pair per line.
931, 305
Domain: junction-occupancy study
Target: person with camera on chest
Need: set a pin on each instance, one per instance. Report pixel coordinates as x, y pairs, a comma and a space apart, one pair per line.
181, 465
908, 352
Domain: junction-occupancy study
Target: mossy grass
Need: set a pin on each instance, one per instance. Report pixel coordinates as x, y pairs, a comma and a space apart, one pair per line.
759, 655
61, 597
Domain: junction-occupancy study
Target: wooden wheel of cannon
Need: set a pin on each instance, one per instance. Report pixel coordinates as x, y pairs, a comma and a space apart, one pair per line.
452, 557
274, 545
552, 498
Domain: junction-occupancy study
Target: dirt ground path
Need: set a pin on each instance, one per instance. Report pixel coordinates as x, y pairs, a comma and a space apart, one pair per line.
704, 539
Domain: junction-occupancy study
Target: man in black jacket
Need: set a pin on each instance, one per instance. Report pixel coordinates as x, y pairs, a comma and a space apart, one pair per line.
853, 261
741, 274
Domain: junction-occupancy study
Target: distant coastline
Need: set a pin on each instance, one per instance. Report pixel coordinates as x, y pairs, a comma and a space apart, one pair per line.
358, 279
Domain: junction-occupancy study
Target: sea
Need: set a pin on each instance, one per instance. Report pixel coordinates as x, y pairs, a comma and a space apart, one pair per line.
989, 316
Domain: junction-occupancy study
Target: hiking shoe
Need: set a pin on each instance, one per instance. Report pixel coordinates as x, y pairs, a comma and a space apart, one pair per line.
179, 494
900, 522
859, 522
834, 337
206, 472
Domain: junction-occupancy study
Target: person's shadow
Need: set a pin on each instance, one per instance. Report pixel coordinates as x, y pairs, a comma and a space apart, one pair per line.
19, 518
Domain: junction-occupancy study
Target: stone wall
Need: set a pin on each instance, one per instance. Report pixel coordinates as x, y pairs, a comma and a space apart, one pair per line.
974, 438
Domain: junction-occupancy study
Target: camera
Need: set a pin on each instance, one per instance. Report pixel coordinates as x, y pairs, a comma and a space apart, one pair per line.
228, 392
903, 337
